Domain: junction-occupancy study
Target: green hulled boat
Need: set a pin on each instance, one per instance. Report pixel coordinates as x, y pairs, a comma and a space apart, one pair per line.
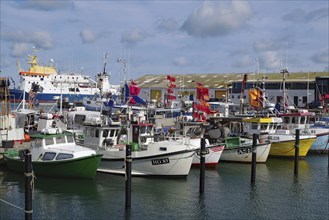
56, 155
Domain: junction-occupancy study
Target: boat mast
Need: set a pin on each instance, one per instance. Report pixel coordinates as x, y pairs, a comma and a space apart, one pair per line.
284, 71
124, 62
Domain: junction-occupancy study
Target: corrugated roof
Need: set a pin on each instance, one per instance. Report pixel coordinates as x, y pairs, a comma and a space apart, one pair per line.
221, 80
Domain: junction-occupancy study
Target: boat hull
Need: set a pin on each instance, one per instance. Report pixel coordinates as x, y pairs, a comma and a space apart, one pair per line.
243, 154
286, 148
320, 145
16, 95
171, 165
213, 154
84, 167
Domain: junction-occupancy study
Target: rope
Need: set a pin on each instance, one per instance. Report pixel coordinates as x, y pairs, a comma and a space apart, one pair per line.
129, 160
15, 206
32, 181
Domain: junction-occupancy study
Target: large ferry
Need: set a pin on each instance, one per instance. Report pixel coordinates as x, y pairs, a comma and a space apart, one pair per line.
44, 84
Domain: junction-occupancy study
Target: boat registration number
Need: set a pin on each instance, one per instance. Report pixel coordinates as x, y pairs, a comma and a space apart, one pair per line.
160, 161
273, 137
244, 151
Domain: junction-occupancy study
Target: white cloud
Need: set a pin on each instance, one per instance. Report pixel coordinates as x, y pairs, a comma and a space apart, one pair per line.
39, 39
242, 61
321, 57
167, 25
87, 36
45, 5
19, 49
271, 60
266, 45
42, 39
301, 16
131, 38
217, 19
181, 61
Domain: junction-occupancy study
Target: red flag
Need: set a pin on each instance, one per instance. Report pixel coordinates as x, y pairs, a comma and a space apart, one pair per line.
133, 83
195, 115
171, 78
245, 77
132, 101
326, 96
171, 97
172, 86
134, 90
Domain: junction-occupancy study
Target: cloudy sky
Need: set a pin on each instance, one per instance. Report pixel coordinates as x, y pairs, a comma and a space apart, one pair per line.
166, 37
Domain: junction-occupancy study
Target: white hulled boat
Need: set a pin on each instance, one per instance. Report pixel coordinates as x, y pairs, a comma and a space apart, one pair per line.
43, 84
153, 153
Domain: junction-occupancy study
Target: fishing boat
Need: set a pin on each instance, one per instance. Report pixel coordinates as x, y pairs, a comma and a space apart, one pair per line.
239, 149
195, 131
55, 154
44, 84
153, 153
10, 130
238, 144
283, 140
320, 128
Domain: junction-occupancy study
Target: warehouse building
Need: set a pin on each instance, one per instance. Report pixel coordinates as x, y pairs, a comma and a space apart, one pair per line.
302, 88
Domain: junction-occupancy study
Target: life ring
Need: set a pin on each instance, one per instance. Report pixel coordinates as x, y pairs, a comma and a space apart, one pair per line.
27, 138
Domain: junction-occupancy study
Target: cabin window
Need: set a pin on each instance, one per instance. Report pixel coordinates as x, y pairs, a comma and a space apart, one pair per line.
97, 133
38, 143
70, 139
49, 156
293, 120
303, 120
105, 133
87, 132
112, 134
62, 156
60, 140
254, 126
49, 141
92, 133
286, 120
263, 126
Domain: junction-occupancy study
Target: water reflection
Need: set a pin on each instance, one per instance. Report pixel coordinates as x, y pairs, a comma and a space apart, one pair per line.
228, 194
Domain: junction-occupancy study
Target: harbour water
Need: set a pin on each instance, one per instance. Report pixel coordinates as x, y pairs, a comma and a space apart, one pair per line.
276, 194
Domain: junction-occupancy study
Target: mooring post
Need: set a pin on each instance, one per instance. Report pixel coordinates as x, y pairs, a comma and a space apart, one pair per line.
296, 152
327, 150
254, 157
28, 185
128, 176
202, 164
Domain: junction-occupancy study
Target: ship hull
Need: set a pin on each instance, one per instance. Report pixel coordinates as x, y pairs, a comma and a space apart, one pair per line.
16, 95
